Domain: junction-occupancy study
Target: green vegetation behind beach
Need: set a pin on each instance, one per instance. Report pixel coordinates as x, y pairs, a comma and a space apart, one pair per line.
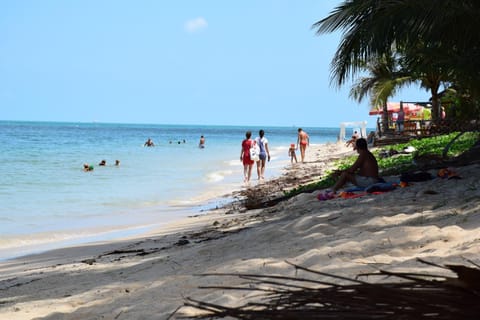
437, 147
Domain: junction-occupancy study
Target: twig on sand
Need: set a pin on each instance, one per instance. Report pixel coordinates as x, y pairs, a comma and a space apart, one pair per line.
406, 296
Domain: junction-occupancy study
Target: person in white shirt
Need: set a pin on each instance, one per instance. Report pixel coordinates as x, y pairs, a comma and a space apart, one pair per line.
264, 154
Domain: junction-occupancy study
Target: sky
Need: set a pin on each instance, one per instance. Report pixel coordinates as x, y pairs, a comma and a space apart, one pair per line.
204, 62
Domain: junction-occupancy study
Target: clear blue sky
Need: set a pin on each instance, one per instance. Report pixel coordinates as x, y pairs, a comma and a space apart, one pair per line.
207, 62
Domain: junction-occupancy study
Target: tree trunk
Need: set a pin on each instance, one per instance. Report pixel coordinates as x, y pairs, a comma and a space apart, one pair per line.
385, 117
435, 105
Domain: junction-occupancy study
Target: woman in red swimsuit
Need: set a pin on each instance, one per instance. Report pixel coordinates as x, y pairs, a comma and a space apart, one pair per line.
245, 156
303, 140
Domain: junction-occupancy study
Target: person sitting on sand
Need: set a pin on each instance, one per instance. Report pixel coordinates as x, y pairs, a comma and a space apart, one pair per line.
363, 173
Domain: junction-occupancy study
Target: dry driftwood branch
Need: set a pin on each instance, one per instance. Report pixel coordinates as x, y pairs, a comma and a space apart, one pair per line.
406, 296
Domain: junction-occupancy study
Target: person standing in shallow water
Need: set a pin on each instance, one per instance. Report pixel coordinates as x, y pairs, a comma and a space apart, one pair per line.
247, 143
303, 140
264, 154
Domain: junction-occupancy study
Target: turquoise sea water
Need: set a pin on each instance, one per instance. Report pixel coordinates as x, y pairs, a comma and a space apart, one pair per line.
47, 200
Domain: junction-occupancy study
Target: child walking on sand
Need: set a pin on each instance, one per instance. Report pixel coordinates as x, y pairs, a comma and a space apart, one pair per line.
292, 154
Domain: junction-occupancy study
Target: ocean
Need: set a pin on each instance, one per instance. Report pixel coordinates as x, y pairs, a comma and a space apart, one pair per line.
48, 201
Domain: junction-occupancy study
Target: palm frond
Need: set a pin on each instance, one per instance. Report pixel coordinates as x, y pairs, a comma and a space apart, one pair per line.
405, 296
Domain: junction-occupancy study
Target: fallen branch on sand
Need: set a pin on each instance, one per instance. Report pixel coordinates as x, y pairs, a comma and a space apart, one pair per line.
410, 296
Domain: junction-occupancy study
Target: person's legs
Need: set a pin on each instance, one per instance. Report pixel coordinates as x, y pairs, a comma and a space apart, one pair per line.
302, 151
261, 165
262, 168
363, 182
400, 127
344, 178
249, 175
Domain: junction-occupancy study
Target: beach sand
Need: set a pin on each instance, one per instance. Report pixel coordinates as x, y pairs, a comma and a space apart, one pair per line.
148, 278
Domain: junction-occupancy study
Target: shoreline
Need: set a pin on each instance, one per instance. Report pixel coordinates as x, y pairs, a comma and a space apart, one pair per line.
286, 176
202, 203
437, 220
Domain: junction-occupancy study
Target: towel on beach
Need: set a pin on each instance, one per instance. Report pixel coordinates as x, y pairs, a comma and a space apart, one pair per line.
351, 193
379, 186
354, 189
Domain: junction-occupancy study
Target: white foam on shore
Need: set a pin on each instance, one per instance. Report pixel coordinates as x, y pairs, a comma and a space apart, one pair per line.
218, 176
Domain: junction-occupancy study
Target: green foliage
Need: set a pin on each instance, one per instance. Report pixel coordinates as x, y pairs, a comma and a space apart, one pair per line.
421, 39
401, 162
435, 145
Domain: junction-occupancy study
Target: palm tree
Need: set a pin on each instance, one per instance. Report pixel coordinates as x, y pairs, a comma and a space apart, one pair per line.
383, 80
448, 29
428, 64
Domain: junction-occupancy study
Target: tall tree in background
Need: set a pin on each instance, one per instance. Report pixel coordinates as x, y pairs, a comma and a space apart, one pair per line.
428, 65
383, 79
446, 31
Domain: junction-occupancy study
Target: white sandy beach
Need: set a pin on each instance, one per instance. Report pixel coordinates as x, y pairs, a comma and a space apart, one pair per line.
148, 278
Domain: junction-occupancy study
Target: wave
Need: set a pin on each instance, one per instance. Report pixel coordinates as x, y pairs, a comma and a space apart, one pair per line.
218, 176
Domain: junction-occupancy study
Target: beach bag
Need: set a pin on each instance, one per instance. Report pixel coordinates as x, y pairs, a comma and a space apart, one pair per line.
254, 151
415, 176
